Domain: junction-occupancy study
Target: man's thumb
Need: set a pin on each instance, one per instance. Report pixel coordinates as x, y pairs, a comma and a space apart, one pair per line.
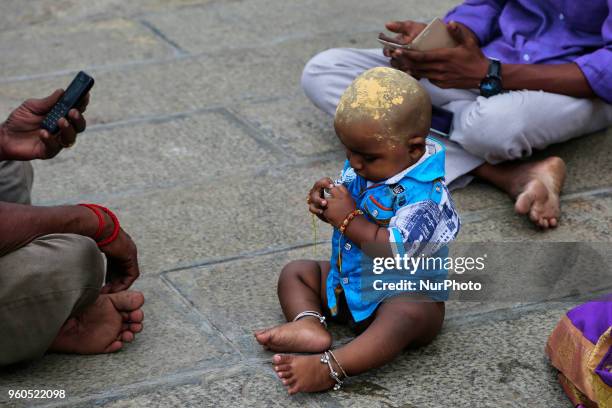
43, 105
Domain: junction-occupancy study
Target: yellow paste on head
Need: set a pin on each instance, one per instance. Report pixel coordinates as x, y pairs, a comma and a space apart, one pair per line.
383, 94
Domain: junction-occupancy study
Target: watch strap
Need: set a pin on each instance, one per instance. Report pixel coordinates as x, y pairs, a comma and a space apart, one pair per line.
492, 83
494, 68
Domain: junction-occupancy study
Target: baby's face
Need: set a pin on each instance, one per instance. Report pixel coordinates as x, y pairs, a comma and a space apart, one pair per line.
373, 155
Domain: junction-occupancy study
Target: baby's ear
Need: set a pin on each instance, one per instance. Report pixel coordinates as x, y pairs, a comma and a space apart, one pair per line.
416, 147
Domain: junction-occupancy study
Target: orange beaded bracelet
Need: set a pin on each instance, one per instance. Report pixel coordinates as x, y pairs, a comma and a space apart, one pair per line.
348, 220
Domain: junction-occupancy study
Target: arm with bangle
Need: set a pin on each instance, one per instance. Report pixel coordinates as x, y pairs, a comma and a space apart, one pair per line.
22, 138
341, 212
361, 231
21, 224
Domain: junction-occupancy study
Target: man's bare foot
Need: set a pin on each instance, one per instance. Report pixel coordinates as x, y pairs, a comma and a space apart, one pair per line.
103, 326
306, 335
302, 373
537, 189
535, 186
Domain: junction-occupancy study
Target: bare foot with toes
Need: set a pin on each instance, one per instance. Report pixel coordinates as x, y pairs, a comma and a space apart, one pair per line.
302, 373
102, 327
537, 191
306, 335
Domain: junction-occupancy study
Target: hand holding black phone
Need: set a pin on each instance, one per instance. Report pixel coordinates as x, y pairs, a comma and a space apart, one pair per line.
78, 88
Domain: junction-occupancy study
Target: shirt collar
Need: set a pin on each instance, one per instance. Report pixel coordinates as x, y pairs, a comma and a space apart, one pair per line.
429, 167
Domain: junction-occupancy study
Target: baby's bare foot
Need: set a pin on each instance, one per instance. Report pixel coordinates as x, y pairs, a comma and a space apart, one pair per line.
537, 191
306, 335
103, 326
302, 373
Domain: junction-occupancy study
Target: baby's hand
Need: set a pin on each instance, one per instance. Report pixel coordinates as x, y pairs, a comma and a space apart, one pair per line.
316, 202
339, 205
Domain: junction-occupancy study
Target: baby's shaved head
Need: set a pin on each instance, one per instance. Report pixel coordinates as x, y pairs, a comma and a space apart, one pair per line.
391, 98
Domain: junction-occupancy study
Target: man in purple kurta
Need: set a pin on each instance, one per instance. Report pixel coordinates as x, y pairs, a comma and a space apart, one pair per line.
555, 84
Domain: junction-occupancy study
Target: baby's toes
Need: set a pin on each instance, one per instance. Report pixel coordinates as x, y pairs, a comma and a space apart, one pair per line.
282, 367
293, 388
263, 337
281, 359
289, 382
284, 375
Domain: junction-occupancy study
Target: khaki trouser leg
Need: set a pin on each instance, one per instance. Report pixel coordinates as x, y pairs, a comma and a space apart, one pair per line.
41, 286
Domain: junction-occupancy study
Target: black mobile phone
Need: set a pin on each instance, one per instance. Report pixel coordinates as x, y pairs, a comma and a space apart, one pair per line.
78, 88
441, 121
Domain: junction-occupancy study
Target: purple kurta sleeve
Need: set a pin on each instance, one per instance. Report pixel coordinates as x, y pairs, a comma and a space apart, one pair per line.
479, 15
597, 66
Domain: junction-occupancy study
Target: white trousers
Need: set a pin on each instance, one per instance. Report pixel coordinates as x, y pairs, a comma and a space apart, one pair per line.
504, 127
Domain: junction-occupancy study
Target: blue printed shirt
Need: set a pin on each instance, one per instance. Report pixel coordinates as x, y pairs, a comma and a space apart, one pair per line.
414, 205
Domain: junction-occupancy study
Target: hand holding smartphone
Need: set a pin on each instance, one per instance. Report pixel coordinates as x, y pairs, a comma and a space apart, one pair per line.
78, 88
434, 36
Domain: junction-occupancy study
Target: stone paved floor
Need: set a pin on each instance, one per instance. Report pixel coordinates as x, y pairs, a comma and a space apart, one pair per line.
201, 139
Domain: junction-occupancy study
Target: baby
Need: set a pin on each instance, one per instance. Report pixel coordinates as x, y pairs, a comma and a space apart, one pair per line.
391, 193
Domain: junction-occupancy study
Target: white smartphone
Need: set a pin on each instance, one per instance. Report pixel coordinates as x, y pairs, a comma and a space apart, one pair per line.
434, 36
394, 45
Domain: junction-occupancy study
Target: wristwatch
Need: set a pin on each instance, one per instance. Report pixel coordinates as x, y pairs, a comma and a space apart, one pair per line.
492, 83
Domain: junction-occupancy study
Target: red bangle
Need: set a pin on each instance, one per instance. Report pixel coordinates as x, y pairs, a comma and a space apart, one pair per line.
116, 227
101, 223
